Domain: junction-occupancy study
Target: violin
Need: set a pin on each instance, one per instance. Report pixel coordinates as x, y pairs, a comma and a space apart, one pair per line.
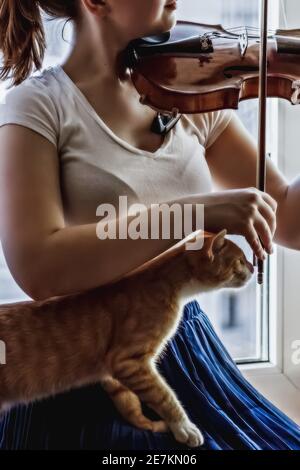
198, 68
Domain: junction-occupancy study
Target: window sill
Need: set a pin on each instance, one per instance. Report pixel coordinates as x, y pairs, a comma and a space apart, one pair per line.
275, 386
259, 368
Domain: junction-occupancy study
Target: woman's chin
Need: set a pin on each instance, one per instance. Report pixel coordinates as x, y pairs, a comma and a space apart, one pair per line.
168, 22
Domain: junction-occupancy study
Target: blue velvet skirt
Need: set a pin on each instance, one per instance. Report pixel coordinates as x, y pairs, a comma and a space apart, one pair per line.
229, 411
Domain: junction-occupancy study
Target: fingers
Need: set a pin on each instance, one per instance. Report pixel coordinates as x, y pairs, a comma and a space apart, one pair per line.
269, 200
266, 224
254, 242
269, 215
264, 209
264, 233
255, 195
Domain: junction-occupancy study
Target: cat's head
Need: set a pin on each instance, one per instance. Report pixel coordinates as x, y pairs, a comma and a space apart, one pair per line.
220, 263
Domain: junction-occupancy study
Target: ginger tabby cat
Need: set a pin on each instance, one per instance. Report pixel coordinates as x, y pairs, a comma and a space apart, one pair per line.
114, 334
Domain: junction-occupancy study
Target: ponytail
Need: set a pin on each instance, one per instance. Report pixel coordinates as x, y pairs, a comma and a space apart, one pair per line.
22, 35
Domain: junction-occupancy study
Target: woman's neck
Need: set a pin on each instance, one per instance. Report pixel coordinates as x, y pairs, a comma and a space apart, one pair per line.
97, 54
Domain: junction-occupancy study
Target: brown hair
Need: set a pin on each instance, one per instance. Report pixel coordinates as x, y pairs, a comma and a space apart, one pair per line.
22, 35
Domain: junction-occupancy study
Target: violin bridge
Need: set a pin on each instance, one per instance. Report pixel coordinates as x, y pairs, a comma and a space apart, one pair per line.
296, 94
244, 41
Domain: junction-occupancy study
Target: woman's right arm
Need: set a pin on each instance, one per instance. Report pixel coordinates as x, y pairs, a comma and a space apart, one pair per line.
48, 258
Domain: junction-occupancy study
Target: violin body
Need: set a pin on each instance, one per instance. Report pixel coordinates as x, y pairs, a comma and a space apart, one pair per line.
200, 68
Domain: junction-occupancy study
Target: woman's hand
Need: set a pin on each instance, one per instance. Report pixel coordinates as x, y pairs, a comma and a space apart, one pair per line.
248, 212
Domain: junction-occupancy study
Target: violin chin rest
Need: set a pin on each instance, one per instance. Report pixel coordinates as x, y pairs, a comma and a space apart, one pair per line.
157, 39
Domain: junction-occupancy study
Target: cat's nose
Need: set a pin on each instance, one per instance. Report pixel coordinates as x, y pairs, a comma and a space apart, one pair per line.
250, 266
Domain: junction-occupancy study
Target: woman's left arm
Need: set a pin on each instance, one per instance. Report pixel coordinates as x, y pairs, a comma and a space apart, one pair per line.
232, 160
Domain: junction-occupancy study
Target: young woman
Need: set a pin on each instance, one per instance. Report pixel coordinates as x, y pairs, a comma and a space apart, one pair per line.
76, 135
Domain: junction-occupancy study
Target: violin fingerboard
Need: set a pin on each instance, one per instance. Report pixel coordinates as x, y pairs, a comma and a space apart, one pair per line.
288, 45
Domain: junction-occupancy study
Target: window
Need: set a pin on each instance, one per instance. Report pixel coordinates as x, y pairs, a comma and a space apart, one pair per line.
240, 318
289, 260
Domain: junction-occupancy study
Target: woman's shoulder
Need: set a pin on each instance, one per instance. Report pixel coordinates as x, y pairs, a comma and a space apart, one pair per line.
208, 126
32, 104
38, 86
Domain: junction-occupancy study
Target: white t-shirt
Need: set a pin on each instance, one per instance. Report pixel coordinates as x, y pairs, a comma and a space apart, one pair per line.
96, 166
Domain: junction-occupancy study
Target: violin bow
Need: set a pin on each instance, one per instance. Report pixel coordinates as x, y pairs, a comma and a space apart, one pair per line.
262, 117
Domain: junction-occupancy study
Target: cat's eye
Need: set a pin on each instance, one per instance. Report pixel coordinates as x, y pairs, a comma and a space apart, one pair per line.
239, 263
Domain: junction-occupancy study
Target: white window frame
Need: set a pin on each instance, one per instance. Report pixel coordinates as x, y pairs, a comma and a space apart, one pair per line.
279, 379
289, 145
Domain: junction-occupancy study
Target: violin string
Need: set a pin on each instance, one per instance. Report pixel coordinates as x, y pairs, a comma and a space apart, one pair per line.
250, 28
212, 35
253, 29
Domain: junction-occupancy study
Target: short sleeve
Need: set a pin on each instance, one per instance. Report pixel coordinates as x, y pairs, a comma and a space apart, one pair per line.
211, 125
29, 104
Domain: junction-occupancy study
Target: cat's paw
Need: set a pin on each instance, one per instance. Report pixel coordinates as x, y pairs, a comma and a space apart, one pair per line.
159, 426
4, 407
187, 433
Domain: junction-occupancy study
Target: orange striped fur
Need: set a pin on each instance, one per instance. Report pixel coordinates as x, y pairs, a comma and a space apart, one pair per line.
114, 335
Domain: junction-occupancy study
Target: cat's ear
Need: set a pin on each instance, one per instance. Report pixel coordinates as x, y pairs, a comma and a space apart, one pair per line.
216, 243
